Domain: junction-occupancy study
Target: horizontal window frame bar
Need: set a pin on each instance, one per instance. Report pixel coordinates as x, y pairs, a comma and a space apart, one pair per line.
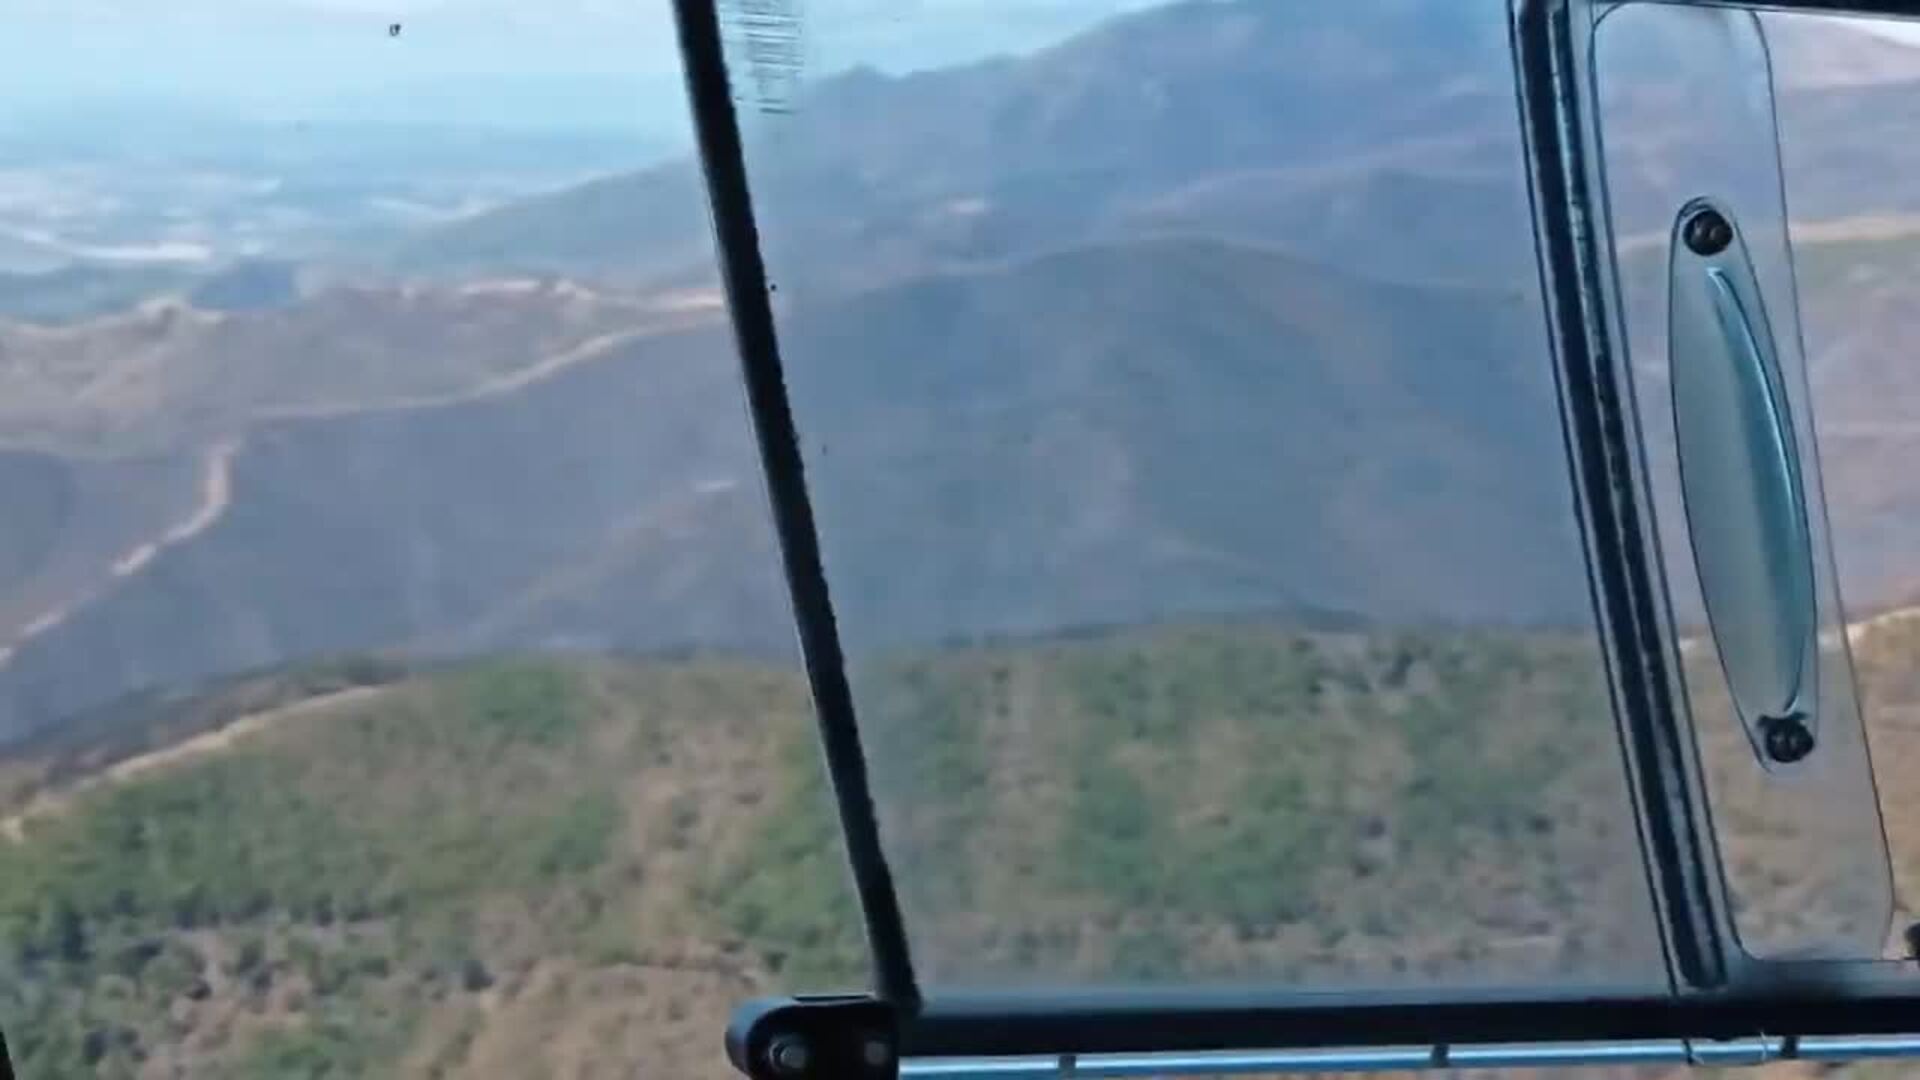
1839, 1001
1899, 9
1746, 1052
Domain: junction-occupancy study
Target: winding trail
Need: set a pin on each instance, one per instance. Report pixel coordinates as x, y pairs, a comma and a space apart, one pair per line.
55, 800
674, 313
216, 493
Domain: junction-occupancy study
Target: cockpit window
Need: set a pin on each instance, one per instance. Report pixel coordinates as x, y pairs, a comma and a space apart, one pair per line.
1402, 499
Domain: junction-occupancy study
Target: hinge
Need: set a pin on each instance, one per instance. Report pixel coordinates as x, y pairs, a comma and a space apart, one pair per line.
823, 1037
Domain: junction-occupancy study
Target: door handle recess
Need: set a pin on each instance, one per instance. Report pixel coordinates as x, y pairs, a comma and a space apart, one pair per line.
1740, 481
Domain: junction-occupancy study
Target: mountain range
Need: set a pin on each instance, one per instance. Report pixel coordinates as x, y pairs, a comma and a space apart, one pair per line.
1049, 473
872, 174
1196, 313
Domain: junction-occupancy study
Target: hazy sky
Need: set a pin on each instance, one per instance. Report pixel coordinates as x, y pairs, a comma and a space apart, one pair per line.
259, 56
261, 52
599, 64
267, 50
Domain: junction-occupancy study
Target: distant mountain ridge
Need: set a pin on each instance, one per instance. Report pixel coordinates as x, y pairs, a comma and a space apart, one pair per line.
1110, 460
876, 174
1226, 118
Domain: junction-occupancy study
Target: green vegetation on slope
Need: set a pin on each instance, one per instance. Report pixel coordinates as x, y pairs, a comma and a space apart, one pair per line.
1252, 802
785, 890
548, 867
304, 899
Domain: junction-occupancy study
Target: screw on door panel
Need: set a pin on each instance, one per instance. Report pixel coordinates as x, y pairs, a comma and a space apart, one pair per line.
1707, 232
789, 1055
1786, 739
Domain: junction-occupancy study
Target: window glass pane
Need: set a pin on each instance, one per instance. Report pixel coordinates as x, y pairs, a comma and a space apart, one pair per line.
1846, 109
1176, 401
395, 675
